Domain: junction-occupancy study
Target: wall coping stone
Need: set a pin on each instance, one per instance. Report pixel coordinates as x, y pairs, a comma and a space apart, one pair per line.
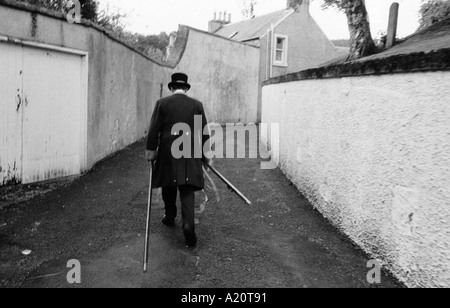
404, 63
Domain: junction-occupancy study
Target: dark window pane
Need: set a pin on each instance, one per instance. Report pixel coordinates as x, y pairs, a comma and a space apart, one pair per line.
280, 43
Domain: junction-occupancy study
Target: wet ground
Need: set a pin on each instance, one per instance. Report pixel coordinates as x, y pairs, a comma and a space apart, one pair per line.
99, 219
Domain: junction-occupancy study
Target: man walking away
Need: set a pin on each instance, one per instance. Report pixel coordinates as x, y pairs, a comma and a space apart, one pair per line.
183, 174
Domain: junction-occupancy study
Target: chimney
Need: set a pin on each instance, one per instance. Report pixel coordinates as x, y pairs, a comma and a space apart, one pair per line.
393, 23
217, 23
296, 4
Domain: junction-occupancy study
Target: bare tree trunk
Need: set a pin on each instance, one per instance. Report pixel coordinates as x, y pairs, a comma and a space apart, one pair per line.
362, 44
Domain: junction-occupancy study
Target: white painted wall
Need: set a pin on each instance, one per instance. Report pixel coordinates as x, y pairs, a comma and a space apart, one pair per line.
373, 155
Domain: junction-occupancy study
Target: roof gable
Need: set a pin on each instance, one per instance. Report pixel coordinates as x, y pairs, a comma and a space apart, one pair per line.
252, 28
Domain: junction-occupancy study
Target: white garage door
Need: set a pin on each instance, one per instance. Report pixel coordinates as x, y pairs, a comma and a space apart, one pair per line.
10, 113
44, 114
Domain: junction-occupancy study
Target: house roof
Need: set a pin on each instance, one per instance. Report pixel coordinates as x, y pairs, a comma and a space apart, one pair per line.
252, 28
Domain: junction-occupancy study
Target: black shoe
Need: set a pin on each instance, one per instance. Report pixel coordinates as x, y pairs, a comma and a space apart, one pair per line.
169, 222
191, 237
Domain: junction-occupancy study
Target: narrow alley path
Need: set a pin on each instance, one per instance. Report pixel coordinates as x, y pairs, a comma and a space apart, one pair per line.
279, 241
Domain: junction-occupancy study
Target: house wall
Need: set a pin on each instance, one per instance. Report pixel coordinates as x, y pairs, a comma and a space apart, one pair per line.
224, 75
123, 85
308, 45
372, 153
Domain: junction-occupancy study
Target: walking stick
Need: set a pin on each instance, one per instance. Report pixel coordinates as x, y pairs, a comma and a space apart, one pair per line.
147, 229
230, 186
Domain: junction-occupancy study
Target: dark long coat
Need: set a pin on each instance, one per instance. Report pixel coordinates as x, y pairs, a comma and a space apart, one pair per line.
170, 171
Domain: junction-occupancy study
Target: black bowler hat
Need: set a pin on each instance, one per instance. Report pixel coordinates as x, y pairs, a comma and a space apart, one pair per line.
179, 79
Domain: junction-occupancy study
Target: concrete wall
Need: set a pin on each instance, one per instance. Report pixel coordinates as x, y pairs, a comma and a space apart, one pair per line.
123, 84
372, 153
224, 75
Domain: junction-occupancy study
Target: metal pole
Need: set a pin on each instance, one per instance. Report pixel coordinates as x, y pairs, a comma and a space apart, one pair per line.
147, 229
231, 186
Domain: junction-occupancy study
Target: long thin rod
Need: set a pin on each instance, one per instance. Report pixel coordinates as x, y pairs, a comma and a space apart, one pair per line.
231, 186
147, 229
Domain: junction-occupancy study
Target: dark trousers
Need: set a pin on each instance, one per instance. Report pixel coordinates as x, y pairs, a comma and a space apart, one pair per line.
187, 196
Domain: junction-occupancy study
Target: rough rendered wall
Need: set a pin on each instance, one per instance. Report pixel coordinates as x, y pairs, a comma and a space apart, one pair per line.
223, 75
123, 85
373, 155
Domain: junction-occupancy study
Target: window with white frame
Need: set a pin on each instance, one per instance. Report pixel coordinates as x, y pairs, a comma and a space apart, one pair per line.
280, 50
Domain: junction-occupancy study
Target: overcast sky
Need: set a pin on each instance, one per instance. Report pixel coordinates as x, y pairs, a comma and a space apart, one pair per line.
155, 16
